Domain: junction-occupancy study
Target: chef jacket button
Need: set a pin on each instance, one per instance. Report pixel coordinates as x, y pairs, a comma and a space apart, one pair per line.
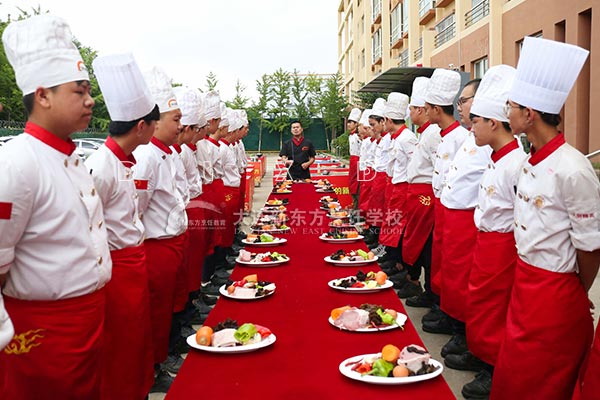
66, 162
100, 224
100, 260
523, 227
93, 192
526, 198
516, 224
135, 196
164, 157
91, 227
80, 193
520, 195
76, 162
525, 170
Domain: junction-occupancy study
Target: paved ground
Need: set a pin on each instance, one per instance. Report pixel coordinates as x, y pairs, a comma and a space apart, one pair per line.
434, 343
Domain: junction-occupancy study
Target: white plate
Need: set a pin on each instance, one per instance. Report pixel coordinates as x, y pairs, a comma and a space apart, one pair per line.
400, 319
269, 340
266, 210
283, 192
387, 284
275, 242
223, 291
350, 263
346, 370
325, 191
343, 226
336, 217
347, 240
274, 205
254, 230
261, 264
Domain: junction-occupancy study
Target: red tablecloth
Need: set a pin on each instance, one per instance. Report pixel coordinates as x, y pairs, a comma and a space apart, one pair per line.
303, 362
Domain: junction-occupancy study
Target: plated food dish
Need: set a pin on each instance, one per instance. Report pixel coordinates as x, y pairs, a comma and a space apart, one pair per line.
341, 236
229, 337
249, 288
352, 257
264, 240
362, 283
261, 259
366, 318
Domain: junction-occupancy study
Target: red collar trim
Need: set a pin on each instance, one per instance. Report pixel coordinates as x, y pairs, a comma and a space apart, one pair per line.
537, 156
383, 135
213, 141
373, 139
425, 126
161, 145
64, 146
298, 142
510, 146
113, 146
449, 129
225, 142
353, 132
399, 131
177, 148
191, 146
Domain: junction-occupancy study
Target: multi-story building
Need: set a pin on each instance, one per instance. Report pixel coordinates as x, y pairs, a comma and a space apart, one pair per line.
375, 36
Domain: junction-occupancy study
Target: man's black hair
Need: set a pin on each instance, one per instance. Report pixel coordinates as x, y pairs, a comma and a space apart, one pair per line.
377, 118
449, 110
474, 83
296, 122
550, 119
120, 128
397, 121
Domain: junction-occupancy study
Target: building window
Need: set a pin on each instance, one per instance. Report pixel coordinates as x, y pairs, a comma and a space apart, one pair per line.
425, 6
362, 25
479, 10
362, 58
404, 11
376, 9
445, 30
377, 45
480, 67
404, 58
396, 26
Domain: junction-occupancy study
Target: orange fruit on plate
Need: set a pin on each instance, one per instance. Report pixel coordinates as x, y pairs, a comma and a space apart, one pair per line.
352, 234
381, 277
204, 335
400, 371
336, 312
390, 353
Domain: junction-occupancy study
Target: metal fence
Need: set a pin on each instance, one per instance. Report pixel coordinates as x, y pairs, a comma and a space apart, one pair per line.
477, 13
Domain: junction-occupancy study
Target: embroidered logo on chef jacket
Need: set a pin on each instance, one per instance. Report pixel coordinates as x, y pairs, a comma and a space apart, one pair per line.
5, 210
81, 66
445, 156
304, 148
425, 200
491, 190
22, 343
141, 184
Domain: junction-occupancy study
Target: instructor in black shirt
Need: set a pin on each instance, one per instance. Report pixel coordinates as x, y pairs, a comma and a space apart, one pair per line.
298, 153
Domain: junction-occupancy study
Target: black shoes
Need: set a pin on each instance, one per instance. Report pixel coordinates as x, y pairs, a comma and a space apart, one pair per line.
172, 363
441, 325
478, 388
201, 307
162, 382
423, 300
456, 345
210, 289
409, 289
433, 315
464, 362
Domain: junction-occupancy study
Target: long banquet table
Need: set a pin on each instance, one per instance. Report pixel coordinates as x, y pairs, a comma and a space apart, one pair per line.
303, 362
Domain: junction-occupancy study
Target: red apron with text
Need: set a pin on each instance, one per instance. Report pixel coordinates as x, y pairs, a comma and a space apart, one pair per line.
395, 212
163, 258
418, 221
366, 184
197, 243
128, 361
376, 202
490, 284
460, 236
181, 279
353, 174
231, 214
436, 247
591, 380
55, 353
214, 194
548, 332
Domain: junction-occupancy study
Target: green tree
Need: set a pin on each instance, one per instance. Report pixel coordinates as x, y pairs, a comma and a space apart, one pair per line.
260, 108
239, 102
314, 84
365, 100
279, 106
211, 81
301, 112
333, 105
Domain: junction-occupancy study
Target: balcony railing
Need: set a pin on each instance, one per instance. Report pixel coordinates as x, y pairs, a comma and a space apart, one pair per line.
418, 53
396, 33
376, 10
444, 35
404, 58
477, 13
376, 54
425, 6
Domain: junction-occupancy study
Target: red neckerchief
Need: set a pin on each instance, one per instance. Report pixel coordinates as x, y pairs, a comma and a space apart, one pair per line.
161, 145
191, 146
537, 156
213, 141
298, 142
177, 148
64, 146
449, 129
353, 132
507, 148
425, 126
113, 146
399, 131
225, 142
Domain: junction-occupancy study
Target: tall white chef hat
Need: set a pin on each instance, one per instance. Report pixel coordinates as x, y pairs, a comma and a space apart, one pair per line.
190, 102
378, 108
42, 53
395, 107
212, 105
202, 121
443, 87
161, 88
244, 115
126, 94
364, 119
224, 111
419, 90
546, 72
354, 115
235, 120
490, 99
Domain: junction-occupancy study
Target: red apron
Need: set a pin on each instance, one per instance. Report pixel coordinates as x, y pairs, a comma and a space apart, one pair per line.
548, 332
242, 193
181, 279
457, 256
353, 174
419, 213
197, 243
395, 211
55, 353
376, 201
231, 214
490, 284
366, 184
437, 246
591, 381
128, 362
163, 258
214, 195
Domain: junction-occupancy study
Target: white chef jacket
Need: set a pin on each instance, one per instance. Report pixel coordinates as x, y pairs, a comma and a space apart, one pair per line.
242, 158
557, 209
161, 206
401, 151
209, 161
354, 143
496, 200
382, 153
53, 238
368, 159
363, 155
7, 330
464, 175
180, 176
420, 166
452, 137
231, 172
188, 156
111, 170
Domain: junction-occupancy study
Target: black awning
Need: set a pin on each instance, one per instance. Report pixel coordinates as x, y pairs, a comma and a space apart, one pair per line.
397, 80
